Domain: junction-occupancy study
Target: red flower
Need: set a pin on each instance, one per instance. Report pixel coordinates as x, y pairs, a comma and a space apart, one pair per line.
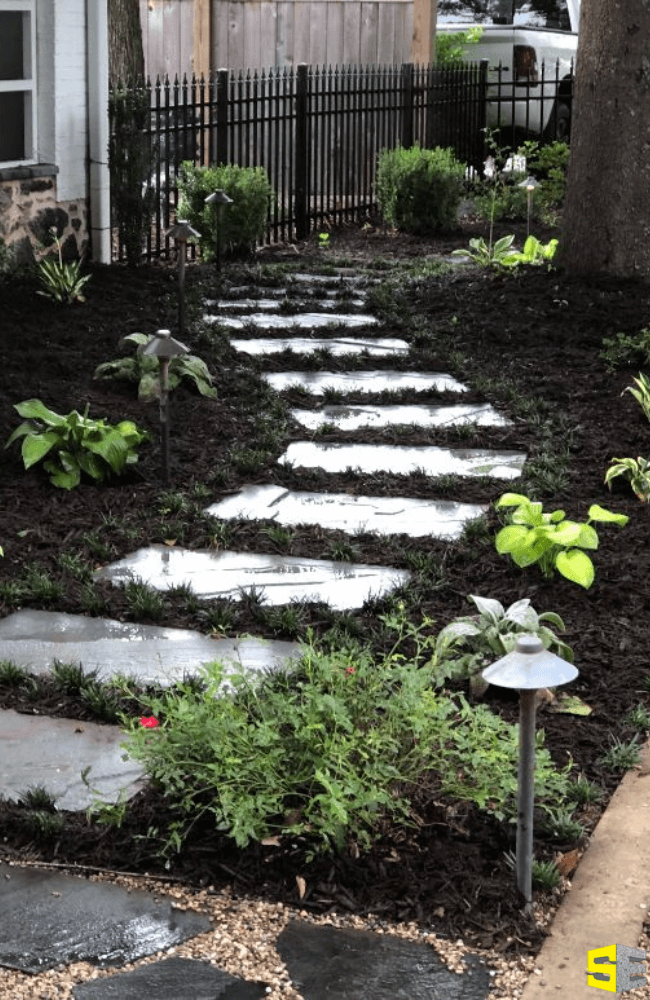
350, 670
149, 722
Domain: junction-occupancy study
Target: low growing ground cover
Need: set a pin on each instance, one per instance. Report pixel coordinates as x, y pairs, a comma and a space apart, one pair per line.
530, 344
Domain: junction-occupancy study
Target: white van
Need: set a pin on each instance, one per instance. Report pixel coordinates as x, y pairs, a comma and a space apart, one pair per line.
530, 46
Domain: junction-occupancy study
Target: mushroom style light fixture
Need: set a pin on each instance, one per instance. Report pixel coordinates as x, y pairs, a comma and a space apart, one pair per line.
529, 184
527, 669
220, 199
181, 232
164, 347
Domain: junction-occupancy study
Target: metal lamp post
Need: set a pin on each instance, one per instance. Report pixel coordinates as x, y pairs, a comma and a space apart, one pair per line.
529, 184
220, 199
527, 669
164, 347
181, 233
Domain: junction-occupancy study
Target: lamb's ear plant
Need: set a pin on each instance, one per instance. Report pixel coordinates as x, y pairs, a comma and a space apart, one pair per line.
144, 370
75, 443
637, 470
551, 541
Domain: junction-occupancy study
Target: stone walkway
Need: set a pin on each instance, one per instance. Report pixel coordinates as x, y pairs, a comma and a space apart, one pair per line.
54, 920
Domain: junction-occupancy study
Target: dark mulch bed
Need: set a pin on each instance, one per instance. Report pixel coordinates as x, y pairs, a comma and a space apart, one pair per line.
543, 331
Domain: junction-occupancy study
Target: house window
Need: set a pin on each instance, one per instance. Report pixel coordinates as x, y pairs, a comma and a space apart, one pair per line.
17, 82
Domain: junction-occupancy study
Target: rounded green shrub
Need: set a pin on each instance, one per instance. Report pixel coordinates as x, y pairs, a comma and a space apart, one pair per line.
243, 222
419, 190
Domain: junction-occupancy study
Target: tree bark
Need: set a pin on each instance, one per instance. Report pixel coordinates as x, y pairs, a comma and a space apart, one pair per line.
607, 205
125, 52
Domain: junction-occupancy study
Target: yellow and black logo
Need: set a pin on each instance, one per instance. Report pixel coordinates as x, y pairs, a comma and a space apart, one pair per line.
616, 968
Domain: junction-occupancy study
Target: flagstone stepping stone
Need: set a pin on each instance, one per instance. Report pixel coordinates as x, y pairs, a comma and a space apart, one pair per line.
149, 654
273, 304
403, 460
281, 579
332, 963
335, 345
382, 515
171, 979
316, 383
307, 321
38, 750
51, 919
350, 418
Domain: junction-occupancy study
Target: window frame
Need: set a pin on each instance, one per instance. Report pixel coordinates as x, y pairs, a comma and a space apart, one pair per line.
27, 85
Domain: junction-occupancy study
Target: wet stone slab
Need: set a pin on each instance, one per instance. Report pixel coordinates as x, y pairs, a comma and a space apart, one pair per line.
49, 919
330, 963
149, 654
304, 321
36, 750
350, 418
337, 346
316, 383
403, 460
171, 979
382, 515
326, 300
281, 579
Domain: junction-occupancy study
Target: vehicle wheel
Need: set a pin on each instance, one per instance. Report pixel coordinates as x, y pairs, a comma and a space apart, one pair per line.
559, 124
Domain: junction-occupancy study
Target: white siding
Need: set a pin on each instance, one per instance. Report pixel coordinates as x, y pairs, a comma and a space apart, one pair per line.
69, 98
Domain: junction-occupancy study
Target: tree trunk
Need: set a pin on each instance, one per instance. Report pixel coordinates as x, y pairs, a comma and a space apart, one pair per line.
607, 206
125, 52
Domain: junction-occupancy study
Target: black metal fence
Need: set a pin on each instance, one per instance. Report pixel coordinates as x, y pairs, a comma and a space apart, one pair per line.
317, 132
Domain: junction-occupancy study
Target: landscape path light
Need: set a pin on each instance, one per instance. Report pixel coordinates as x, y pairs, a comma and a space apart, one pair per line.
164, 347
220, 199
527, 669
180, 233
529, 184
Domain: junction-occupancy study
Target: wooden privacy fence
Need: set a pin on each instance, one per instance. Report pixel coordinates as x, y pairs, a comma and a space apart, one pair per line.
317, 132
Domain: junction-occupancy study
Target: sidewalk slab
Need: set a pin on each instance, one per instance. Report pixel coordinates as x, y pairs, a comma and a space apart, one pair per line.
609, 897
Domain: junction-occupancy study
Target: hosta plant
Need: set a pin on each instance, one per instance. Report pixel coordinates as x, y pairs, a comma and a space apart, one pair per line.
75, 443
493, 633
488, 254
551, 541
641, 393
637, 471
534, 252
144, 370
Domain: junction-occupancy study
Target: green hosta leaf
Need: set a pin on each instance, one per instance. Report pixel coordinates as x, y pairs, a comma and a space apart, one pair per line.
528, 513
113, 449
520, 613
512, 537
149, 386
27, 427
92, 465
511, 500
588, 537
35, 410
488, 607
196, 369
576, 566
598, 513
568, 533
37, 446
503, 244
65, 478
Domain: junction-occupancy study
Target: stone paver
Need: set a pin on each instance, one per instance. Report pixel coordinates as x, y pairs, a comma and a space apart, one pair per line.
383, 515
171, 979
50, 918
282, 579
331, 963
316, 383
353, 417
337, 346
149, 654
334, 457
37, 750
305, 321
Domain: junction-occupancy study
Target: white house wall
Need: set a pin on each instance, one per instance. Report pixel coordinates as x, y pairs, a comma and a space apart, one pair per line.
70, 98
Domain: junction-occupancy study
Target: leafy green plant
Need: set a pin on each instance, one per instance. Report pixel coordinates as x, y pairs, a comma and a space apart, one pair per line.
145, 370
38, 797
143, 601
39, 585
639, 718
235, 227
11, 674
488, 254
493, 633
61, 282
561, 824
637, 470
621, 756
451, 47
583, 791
546, 875
75, 443
324, 240
626, 349
534, 252
324, 749
70, 678
548, 539
641, 393
419, 190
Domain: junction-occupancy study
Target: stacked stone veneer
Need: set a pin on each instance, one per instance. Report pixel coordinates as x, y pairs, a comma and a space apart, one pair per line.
29, 208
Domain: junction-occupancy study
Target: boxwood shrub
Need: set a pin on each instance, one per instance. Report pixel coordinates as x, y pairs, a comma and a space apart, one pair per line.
419, 190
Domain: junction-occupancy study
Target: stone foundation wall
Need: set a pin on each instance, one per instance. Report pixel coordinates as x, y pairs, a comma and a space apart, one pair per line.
29, 209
